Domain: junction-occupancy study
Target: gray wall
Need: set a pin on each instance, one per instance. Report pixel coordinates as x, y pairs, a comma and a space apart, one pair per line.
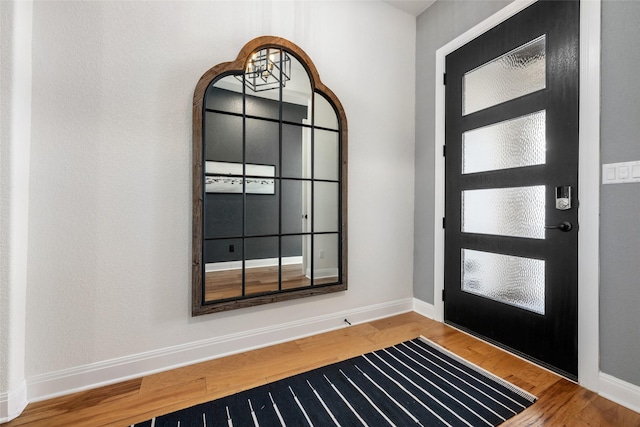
438, 25
620, 203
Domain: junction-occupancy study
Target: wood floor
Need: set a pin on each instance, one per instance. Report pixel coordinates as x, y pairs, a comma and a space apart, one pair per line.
560, 402
228, 283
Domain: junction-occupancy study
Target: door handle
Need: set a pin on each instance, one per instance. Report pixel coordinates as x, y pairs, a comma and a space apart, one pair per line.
563, 226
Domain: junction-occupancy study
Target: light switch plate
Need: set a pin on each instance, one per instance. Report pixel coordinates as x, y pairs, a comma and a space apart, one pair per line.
621, 173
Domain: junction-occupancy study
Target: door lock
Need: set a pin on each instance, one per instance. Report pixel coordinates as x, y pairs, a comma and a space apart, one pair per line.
563, 198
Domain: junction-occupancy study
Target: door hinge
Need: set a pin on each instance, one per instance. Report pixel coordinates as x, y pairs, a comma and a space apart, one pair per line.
444, 151
443, 293
444, 222
444, 79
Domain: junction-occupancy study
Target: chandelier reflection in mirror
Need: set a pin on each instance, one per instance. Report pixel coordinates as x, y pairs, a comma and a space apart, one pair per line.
269, 181
266, 69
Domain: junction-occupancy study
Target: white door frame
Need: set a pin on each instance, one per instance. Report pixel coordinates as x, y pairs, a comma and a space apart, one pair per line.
588, 179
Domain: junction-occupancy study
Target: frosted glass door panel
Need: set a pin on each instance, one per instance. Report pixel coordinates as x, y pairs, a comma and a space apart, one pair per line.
515, 211
512, 75
508, 279
510, 144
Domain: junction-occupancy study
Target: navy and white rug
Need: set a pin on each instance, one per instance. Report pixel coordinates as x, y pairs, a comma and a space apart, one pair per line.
413, 383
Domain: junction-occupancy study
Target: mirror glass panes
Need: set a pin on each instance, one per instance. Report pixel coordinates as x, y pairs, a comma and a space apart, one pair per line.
510, 144
267, 70
516, 211
261, 265
296, 151
223, 271
325, 206
297, 95
262, 216
324, 114
262, 141
326, 164
271, 211
325, 258
223, 146
295, 216
296, 263
223, 96
224, 214
508, 279
514, 74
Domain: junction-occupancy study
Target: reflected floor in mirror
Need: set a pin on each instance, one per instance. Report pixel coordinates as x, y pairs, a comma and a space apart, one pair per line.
228, 283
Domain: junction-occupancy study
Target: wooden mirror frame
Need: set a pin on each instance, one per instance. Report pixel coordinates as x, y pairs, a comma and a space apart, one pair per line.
199, 306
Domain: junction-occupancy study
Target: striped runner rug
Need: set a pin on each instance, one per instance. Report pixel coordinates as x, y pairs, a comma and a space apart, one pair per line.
416, 382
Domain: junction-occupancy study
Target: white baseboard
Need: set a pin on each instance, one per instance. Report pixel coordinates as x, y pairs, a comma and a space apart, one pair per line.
621, 392
424, 308
59, 383
251, 263
321, 273
13, 403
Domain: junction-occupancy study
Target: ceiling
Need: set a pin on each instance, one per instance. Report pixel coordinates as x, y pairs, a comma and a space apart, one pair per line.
413, 7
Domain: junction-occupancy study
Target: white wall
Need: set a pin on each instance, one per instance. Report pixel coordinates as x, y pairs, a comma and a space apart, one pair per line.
15, 128
109, 283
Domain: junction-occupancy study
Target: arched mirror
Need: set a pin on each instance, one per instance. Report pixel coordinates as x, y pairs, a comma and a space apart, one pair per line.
269, 181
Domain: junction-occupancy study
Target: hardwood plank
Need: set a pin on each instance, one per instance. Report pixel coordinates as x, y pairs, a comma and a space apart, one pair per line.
560, 401
603, 412
285, 373
42, 412
557, 406
143, 407
152, 383
228, 283
113, 410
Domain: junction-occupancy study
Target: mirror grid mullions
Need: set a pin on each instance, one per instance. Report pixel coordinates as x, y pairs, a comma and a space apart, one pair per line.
245, 275
285, 141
